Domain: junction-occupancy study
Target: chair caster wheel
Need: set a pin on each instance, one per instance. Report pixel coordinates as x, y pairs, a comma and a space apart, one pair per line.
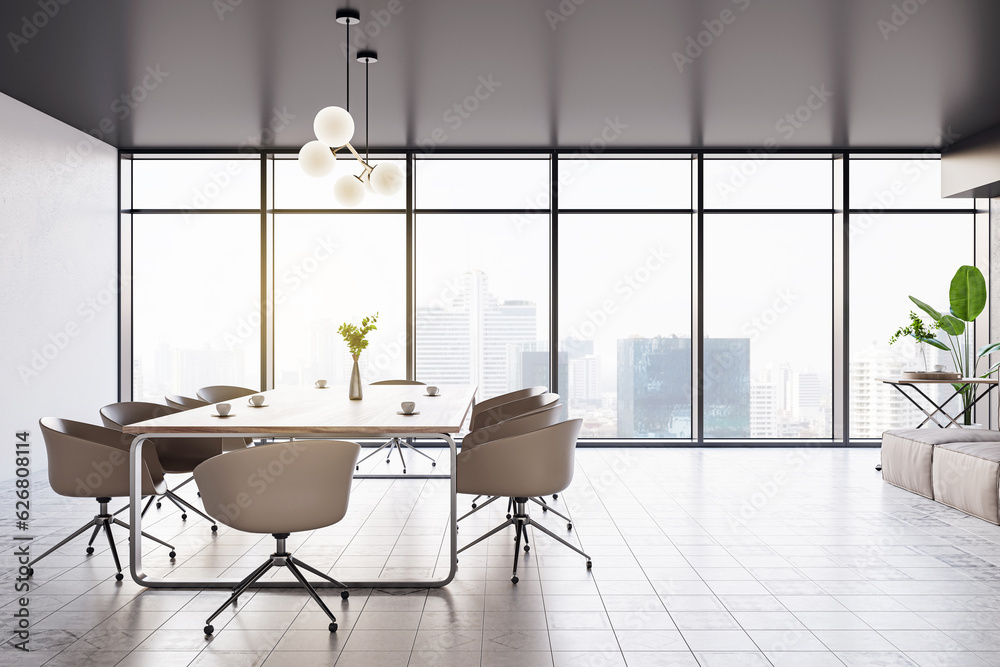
184, 517
344, 595
569, 526
387, 460
90, 550
119, 576
508, 516
157, 505
473, 505
199, 494
434, 464
333, 627
514, 579
404, 471
527, 548
215, 528
357, 467
545, 508
31, 571
209, 630
589, 564
555, 496
172, 554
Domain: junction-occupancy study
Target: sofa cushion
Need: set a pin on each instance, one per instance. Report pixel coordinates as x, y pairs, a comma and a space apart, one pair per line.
906, 460
965, 476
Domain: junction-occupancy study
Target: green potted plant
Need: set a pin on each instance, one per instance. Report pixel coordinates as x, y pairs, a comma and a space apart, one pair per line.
356, 338
967, 299
917, 330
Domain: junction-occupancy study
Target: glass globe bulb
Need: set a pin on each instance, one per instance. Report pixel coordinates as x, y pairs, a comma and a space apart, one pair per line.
333, 126
387, 178
316, 160
349, 191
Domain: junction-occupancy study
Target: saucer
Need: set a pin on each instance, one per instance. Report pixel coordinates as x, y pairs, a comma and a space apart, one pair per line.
432, 395
251, 405
407, 414
223, 416
326, 387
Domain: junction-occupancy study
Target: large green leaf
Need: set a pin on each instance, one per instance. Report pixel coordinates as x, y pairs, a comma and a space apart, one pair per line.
968, 293
927, 309
952, 325
988, 349
934, 342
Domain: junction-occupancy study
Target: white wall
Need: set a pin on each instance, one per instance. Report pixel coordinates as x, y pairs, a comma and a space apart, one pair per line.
59, 273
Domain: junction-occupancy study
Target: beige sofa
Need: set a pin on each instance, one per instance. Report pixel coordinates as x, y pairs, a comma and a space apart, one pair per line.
957, 467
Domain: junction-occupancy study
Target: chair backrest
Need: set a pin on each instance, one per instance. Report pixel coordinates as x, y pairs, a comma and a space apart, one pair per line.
184, 402
281, 488
399, 382
88, 461
533, 464
532, 421
513, 409
117, 415
491, 403
220, 393
178, 455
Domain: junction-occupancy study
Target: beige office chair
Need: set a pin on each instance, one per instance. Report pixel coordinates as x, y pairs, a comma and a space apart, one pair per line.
221, 393
184, 402
539, 463
176, 455
491, 403
503, 411
532, 421
511, 409
87, 461
398, 443
308, 487
187, 403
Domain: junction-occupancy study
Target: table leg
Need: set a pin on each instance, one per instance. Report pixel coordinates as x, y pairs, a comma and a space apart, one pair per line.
135, 564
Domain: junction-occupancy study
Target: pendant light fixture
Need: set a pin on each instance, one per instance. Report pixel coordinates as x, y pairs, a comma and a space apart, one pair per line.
334, 128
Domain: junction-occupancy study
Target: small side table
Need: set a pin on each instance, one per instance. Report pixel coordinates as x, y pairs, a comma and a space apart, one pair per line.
900, 383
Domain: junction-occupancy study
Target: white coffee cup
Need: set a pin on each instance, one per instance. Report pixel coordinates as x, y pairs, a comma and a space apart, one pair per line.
407, 406
432, 390
223, 409
256, 400
320, 383
939, 367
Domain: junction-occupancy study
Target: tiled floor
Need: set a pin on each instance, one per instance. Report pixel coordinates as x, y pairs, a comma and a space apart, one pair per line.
701, 557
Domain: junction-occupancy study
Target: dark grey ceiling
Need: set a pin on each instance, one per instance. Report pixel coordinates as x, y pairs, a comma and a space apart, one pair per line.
899, 73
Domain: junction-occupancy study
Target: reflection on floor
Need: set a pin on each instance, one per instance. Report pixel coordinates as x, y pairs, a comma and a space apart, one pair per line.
701, 557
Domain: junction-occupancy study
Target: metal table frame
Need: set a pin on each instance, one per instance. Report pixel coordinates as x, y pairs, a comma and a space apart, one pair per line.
135, 543
930, 416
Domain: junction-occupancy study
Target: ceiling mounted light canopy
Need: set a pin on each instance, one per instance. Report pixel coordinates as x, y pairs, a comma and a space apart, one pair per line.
334, 128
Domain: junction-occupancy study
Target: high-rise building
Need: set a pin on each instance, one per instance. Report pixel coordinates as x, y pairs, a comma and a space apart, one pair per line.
653, 379
473, 339
584, 379
763, 408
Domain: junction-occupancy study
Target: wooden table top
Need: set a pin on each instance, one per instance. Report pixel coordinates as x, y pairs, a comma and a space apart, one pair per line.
955, 381
311, 411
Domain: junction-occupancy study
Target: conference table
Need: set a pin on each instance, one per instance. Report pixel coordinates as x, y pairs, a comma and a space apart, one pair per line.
313, 413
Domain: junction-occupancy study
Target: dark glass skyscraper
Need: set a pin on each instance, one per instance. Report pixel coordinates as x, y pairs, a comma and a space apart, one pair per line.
654, 376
